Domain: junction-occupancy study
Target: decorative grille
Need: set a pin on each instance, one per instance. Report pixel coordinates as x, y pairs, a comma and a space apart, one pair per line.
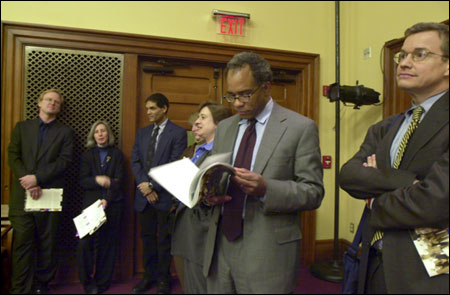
91, 84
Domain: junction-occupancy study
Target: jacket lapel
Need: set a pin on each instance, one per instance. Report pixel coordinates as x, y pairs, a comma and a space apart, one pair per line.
387, 142
33, 135
229, 138
434, 120
275, 129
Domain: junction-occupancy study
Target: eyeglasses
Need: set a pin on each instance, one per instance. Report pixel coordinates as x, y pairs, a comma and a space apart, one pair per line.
50, 100
419, 54
245, 97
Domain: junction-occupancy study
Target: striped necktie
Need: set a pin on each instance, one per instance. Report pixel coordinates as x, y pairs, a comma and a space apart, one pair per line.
417, 113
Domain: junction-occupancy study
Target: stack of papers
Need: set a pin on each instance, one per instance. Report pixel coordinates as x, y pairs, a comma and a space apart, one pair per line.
91, 219
49, 201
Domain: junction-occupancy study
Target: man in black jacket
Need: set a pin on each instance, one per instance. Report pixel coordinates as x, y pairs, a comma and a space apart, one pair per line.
38, 154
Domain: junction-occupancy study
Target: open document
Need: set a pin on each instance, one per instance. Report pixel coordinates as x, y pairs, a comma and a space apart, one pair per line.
189, 183
432, 245
50, 200
91, 219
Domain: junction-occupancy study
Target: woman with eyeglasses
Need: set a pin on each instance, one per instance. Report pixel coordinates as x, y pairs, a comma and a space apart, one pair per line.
191, 225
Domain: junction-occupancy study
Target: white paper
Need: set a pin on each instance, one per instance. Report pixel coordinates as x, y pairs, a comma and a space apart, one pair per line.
432, 246
176, 178
182, 178
90, 219
50, 200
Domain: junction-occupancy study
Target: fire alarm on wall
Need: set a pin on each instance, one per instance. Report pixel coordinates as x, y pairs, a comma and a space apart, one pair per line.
326, 162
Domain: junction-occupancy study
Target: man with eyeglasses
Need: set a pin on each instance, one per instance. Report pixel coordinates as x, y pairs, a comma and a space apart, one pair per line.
39, 153
402, 169
253, 243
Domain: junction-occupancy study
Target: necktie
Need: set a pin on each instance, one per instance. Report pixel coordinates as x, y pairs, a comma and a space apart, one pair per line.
417, 113
151, 148
232, 211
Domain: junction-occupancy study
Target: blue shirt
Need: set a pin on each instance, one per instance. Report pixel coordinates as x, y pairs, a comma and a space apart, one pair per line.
201, 150
426, 105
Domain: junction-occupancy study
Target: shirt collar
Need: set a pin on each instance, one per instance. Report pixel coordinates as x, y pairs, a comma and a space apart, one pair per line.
427, 104
207, 146
263, 116
42, 123
162, 126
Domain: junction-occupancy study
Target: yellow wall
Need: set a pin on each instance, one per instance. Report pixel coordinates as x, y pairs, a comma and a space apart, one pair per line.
296, 26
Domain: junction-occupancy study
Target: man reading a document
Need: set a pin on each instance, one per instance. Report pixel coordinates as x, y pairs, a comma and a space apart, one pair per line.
253, 243
38, 155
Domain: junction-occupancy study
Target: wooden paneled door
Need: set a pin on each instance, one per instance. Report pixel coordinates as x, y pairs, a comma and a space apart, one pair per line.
187, 84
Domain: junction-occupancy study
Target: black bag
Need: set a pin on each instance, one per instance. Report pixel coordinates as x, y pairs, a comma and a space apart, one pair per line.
351, 260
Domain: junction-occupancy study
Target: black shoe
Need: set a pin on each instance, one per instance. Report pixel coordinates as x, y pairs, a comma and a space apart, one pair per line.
164, 288
143, 286
91, 290
39, 290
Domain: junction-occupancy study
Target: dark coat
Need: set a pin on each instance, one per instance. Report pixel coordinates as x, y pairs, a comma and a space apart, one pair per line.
91, 167
400, 206
48, 163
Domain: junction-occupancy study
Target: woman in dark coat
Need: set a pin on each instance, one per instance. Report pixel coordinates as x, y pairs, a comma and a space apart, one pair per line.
101, 177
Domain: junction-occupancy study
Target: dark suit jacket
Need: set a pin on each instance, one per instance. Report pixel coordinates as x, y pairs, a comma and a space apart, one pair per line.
91, 167
399, 205
172, 143
48, 163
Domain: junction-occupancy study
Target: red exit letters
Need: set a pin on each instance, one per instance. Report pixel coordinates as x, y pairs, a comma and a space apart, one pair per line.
230, 25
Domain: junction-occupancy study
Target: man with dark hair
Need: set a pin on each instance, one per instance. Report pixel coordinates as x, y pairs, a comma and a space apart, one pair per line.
401, 170
39, 153
159, 143
253, 243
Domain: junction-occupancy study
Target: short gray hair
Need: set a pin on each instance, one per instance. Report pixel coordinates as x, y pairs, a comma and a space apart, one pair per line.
90, 138
258, 65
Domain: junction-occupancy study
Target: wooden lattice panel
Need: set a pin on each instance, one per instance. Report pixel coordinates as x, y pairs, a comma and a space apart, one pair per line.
91, 84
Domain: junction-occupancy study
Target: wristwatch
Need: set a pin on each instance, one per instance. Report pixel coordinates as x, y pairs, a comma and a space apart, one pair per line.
150, 185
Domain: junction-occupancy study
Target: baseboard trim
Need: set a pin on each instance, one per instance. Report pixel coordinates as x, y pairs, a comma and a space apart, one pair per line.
324, 249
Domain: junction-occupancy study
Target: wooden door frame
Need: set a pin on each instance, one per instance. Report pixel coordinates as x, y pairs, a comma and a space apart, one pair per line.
15, 36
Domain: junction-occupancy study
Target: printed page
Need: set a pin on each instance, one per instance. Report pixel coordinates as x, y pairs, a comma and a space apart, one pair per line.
49, 201
176, 178
91, 219
432, 246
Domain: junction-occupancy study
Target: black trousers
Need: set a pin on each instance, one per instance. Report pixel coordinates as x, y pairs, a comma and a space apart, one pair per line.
100, 250
375, 283
34, 259
156, 238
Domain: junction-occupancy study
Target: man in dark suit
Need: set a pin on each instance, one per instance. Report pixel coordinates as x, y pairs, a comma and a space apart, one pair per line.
38, 155
159, 143
254, 247
402, 168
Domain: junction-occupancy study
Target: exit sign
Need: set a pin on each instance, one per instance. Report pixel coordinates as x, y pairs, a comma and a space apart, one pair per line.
231, 25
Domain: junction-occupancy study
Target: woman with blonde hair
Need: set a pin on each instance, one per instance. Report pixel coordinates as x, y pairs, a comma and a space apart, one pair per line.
101, 177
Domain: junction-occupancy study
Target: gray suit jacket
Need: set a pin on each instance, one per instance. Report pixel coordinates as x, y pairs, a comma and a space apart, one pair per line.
399, 205
289, 159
